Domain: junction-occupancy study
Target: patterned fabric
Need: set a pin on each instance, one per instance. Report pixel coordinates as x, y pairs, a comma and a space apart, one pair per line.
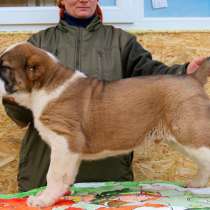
120, 196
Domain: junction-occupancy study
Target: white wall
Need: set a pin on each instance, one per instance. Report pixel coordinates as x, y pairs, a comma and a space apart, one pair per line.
127, 14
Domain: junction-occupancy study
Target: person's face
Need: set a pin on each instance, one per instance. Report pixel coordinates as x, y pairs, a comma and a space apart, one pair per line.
80, 8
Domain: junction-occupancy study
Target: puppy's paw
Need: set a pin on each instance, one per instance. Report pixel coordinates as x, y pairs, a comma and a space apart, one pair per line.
197, 182
40, 201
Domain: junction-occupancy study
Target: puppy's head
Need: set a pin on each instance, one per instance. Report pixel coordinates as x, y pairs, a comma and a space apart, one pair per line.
23, 67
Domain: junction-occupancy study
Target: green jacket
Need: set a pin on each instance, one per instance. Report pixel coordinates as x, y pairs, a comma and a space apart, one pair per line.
99, 51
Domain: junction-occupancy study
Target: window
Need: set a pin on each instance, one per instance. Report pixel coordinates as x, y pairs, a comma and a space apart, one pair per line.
25, 3
39, 14
114, 11
179, 15
27, 13
108, 2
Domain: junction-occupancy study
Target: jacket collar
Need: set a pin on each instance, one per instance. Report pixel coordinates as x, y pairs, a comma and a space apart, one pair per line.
93, 26
83, 23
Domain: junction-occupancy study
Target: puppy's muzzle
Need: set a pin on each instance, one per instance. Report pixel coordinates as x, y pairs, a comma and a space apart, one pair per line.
5, 77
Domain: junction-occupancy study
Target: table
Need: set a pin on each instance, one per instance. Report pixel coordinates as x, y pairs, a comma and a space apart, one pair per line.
149, 195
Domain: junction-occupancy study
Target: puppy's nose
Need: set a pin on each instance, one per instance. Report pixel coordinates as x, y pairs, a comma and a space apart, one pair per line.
10, 88
1, 69
4, 73
1, 66
0, 62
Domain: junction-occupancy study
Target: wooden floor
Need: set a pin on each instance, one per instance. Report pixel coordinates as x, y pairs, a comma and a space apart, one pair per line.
152, 161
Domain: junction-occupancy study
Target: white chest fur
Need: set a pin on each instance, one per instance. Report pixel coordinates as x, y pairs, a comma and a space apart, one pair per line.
37, 100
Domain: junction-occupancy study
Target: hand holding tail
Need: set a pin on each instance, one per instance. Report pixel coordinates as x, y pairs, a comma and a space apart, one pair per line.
200, 69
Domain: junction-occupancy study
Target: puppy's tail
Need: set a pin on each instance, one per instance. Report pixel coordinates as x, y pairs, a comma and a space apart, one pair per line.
202, 73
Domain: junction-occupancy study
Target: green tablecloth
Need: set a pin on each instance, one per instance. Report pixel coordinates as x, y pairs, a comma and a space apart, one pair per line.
120, 195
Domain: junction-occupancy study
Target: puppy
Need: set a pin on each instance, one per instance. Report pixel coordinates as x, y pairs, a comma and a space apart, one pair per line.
82, 118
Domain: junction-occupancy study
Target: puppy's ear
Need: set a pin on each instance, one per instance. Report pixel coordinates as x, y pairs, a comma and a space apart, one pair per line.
34, 67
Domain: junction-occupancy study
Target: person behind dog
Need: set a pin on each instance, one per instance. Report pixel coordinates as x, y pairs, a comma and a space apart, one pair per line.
81, 41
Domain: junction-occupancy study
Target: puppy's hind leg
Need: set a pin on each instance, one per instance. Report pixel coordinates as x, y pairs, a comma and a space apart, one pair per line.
202, 158
61, 174
190, 127
198, 148
192, 141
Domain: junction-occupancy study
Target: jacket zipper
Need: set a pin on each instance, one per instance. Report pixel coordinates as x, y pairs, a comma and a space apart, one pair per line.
100, 72
78, 50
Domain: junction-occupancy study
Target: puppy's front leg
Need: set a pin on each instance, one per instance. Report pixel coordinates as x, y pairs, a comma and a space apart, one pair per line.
62, 172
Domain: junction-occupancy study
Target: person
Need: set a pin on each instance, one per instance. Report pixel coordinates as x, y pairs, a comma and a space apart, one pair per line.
81, 41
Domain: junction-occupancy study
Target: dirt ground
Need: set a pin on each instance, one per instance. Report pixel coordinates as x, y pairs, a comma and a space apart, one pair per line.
151, 162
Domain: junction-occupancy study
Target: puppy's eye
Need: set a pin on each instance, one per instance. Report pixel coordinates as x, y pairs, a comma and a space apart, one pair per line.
5, 67
30, 68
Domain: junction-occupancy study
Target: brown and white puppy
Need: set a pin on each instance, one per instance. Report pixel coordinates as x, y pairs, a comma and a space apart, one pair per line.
84, 118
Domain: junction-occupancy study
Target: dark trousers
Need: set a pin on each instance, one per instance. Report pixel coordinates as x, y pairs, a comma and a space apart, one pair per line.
35, 159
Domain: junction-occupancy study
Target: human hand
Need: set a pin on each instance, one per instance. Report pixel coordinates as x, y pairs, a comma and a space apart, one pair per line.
195, 64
